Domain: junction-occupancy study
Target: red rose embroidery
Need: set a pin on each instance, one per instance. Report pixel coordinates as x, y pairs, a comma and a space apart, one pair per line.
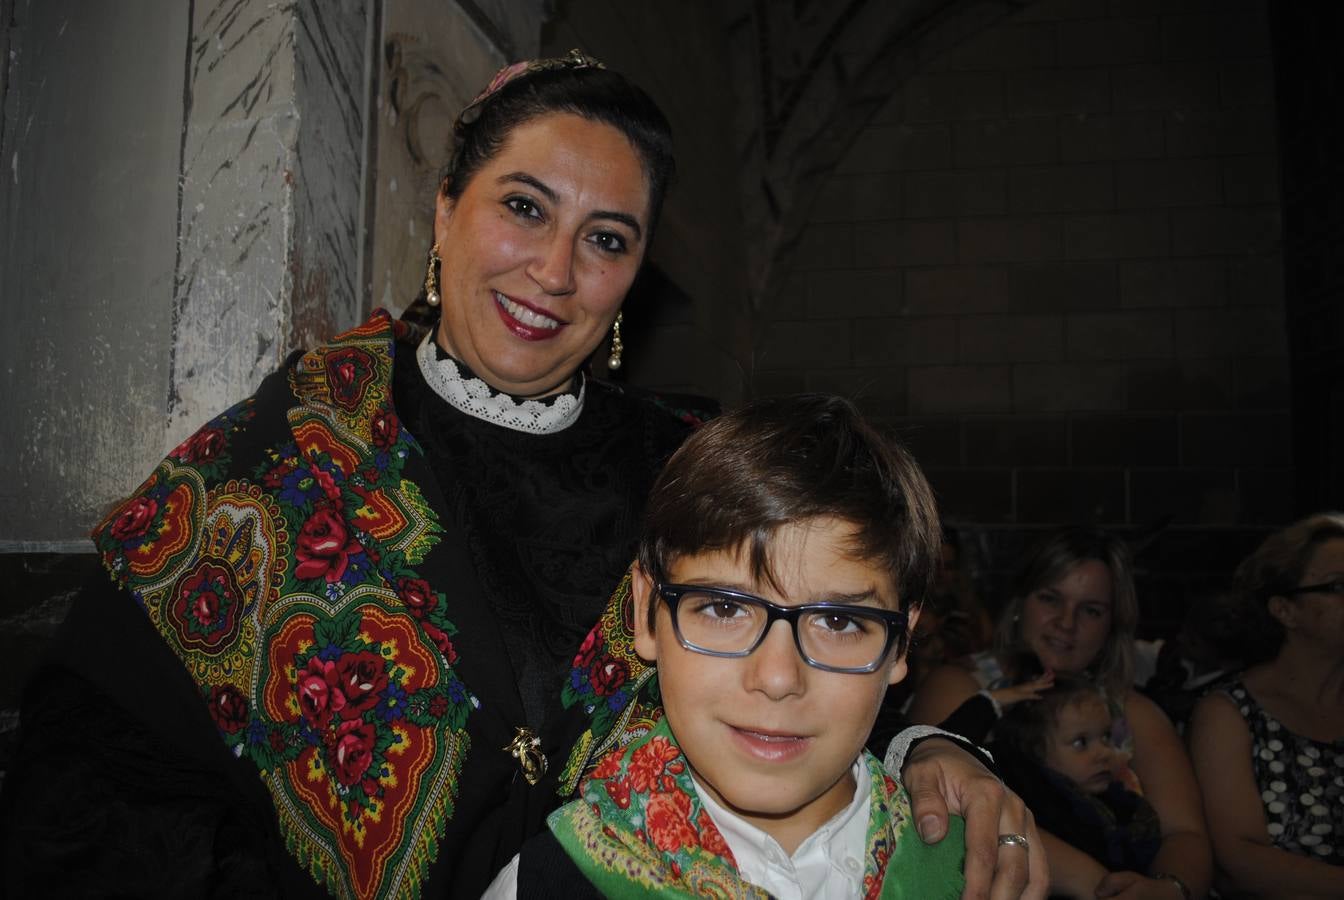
619, 792
712, 839
326, 483
361, 678
588, 650
318, 693
205, 608
202, 447
608, 765
607, 675
438, 706
324, 547
349, 372
441, 640
134, 519
205, 611
275, 478
647, 764
667, 818
385, 430
418, 596
872, 883
228, 707
353, 751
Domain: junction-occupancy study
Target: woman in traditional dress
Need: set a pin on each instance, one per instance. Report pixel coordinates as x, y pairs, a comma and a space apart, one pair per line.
377, 579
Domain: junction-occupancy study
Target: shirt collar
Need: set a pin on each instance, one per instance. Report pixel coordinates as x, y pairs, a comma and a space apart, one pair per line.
843, 836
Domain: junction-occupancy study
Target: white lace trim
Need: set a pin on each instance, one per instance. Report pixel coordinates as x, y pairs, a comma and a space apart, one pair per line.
894, 761
476, 398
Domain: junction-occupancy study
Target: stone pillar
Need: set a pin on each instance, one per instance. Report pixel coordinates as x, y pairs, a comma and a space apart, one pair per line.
269, 238
90, 144
433, 60
183, 200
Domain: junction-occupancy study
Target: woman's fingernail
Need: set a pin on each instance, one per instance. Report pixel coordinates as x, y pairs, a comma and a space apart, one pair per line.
930, 829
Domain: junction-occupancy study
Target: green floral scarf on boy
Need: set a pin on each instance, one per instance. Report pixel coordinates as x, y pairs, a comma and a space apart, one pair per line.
639, 829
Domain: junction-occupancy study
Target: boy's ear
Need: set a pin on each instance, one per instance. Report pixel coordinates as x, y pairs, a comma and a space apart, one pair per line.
641, 591
901, 667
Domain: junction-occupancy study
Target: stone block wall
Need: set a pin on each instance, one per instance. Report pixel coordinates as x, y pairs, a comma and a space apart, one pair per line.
1308, 74
1051, 263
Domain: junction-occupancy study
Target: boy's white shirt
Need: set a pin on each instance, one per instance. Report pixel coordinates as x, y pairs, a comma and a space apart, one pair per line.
828, 865
752, 860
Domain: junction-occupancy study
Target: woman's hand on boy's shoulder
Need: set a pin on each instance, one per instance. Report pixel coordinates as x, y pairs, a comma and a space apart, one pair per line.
941, 779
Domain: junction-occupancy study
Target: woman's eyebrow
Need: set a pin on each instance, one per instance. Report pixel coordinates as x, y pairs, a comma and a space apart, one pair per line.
531, 181
545, 190
624, 218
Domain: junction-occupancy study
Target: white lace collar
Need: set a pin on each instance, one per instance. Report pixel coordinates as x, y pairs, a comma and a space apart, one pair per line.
462, 390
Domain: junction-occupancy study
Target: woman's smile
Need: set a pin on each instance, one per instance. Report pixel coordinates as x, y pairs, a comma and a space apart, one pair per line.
538, 251
527, 322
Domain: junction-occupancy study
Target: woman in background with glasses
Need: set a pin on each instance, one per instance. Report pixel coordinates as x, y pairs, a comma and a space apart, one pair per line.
1268, 747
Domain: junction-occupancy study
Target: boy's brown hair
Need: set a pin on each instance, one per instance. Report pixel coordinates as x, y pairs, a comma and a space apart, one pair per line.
784, 460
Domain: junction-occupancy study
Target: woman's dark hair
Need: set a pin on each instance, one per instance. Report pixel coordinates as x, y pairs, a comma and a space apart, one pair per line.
1026, 726
1049, 561
785, 460
589, 92
1276, 566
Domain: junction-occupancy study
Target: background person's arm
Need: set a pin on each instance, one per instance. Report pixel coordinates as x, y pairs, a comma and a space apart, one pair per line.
1220, 744
1072, 872
939, 695
1169, 784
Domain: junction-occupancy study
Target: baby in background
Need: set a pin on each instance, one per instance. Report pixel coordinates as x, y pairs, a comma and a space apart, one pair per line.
1057, 753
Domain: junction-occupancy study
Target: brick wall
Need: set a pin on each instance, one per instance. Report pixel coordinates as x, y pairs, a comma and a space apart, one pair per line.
1051, 262
1311, 82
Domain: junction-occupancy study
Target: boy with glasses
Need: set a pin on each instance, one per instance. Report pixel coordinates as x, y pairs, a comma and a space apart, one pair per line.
786, 549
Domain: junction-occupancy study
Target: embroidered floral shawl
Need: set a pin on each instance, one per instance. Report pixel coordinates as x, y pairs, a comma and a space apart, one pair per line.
284, 577
281, 552
639, 829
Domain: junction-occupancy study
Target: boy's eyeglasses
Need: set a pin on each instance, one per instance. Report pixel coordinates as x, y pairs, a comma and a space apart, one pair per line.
1329, 587
830, 636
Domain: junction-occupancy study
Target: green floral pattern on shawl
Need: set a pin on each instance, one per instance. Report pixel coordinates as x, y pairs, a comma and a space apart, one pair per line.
639, 829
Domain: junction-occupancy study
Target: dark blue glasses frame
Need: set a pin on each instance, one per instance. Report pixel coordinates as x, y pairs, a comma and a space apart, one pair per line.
896, 623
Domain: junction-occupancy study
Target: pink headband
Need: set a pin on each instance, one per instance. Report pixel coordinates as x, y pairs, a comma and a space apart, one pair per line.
575, 59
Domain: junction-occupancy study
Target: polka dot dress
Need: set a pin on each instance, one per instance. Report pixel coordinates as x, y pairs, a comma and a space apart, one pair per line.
1301, 783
